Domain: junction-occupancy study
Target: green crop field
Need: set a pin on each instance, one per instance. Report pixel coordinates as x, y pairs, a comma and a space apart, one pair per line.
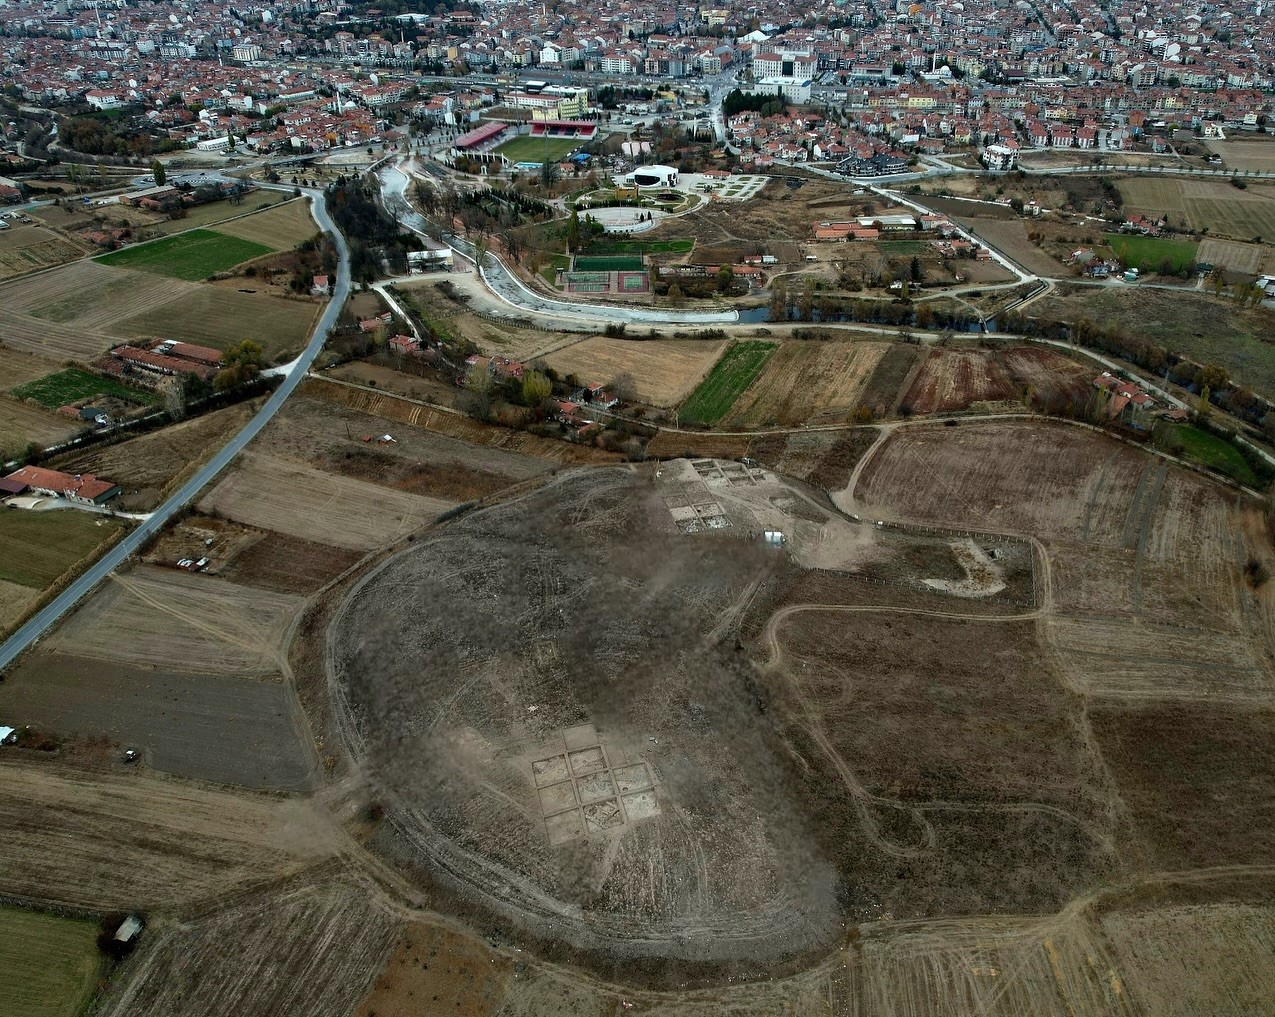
1215, 453
731, 375
192, 256
49, 966
1146, 254
37, 547
74, 385
529, 149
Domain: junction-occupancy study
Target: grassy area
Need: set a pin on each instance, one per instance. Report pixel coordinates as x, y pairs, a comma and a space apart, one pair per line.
731, 375
74, 385
49, 966
1214, 453
1197, 325
192, 256
218, 211
529, 149
37, 547
1147, 254
549, 271
641, 246
281, 227
903, 246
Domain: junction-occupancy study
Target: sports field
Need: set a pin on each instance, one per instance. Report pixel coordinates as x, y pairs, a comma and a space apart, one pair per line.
48, 965
616, 263
73, 385
529, 149
1147, 254
716, 394
192, 256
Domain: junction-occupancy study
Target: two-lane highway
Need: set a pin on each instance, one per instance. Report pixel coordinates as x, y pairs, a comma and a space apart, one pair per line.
69, 597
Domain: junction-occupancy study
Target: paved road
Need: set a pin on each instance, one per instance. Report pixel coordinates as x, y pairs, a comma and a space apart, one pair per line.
508, 288
55, 609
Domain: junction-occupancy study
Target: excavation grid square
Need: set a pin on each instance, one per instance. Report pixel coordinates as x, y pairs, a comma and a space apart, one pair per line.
580, 793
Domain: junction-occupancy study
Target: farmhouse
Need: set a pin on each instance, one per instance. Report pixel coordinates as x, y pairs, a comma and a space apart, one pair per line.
81, 487
163, 360
1127, 403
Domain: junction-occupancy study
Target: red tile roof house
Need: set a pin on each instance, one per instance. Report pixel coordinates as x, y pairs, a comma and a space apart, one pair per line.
84, 488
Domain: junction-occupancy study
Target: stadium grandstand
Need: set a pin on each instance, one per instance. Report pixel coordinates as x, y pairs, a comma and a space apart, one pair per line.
584, 130
480, 142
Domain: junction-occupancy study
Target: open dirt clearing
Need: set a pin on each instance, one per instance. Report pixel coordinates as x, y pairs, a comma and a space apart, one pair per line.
168, 618
445, 971
217, 317
419, 461
18, 367
808, 381
281, 227
664, 371
304, 950
1009, 236
210, 727
272, 493
131, 840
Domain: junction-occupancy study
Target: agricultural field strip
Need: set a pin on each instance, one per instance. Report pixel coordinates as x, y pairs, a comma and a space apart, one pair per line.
272, 493
829, 378
183, 841
729, 378
174, 619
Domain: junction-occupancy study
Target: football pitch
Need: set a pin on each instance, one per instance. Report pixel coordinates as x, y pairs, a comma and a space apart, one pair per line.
529, 149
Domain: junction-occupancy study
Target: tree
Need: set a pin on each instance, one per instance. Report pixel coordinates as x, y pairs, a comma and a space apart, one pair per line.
915, 268
242, 364
725, 279
778, 301
675, 295
623, 387
806, 302
175, 399
536, 388
160, 174
481, 389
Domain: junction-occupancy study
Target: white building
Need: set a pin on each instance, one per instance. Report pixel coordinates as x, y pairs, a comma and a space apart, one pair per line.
1000, 157
787, 71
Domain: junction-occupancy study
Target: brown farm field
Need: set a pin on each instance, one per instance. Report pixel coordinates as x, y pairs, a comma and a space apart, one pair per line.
1215, 205
178, 720
93, 296
22, 423
172, 619
1009, 236
38, 547
218, 317
128, 840
664, 372
808, 382
1246, 153
251, 959
273, 493
32, 248
956, 379
420, 461
282, 226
